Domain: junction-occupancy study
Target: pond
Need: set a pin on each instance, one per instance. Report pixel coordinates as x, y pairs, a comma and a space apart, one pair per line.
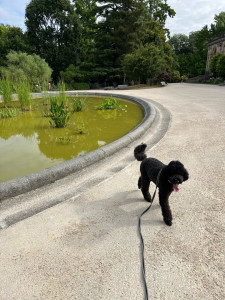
29, 143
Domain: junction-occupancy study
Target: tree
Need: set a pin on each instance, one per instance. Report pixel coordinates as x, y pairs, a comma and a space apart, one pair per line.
190, 53
159, 11
24, 67
11, 38
152, 57
144, 63
219, 27
53, 31
86, 11
180, 44
116, 35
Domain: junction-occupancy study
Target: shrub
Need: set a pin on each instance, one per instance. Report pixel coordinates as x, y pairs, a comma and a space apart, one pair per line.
81, 86
165, 76
220, 66
213, 63
175, 76
185, 77
22, 66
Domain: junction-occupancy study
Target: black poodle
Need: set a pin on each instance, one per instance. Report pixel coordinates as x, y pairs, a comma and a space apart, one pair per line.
168, 177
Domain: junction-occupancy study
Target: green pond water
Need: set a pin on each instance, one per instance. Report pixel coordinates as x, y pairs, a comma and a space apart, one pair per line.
28, 143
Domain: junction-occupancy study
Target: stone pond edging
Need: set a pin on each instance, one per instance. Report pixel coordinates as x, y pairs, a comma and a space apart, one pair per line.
35, 180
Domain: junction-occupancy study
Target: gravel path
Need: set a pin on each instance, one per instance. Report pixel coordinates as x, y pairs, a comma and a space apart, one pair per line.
87, 247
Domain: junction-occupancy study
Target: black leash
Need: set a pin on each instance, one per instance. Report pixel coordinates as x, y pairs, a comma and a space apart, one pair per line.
142, 240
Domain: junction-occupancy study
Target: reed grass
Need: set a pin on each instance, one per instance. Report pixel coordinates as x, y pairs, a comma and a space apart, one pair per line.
6, 90
23, 91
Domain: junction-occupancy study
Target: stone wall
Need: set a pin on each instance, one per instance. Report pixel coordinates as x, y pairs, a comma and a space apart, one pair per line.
216, 45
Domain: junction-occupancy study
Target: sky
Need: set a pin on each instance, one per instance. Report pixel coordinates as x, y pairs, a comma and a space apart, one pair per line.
191, 15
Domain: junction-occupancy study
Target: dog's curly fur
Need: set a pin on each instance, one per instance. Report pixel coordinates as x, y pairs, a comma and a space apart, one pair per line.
170, 177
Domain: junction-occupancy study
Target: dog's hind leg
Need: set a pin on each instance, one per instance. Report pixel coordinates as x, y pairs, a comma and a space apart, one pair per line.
145, 183
166, 212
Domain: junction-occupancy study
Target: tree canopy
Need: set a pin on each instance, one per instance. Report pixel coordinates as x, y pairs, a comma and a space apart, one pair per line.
23, 67
108, 41
11, 38
53, 32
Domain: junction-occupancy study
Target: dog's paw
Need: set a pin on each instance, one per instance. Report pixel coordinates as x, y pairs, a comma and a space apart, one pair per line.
168, 222
148, 200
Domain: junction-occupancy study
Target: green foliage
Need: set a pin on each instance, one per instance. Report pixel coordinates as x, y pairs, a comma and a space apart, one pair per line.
77, 104
116, 35
175, 76
23, 92
53, 31
11, 38
220, 66
86, 11
75, 78
159, 10
9, 112
146, 62
81, 86
180, 44
213, 80
46, 100
190, 53
24, 67
218, 27
214, 62
6, 90
72, 74
64, 140
110, 104
59, 113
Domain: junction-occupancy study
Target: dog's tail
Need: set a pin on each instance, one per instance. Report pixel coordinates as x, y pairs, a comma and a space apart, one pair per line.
139, 152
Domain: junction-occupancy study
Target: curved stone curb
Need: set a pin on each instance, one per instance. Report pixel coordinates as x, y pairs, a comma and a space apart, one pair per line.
35, 180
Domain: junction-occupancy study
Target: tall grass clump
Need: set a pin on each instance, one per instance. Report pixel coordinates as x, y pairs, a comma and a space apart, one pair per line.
23, 91
59, 113
62, 92
6, 90
77, 104
46, 101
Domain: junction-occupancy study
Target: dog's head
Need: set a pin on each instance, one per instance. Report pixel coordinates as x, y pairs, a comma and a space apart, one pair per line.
176, 174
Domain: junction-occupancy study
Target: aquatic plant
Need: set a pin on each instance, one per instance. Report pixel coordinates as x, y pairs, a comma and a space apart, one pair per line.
9, 112
59, 113
77, 104
110, 104
64, 140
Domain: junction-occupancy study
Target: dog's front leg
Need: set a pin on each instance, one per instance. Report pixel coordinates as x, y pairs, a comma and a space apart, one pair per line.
144, 184
166, 212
